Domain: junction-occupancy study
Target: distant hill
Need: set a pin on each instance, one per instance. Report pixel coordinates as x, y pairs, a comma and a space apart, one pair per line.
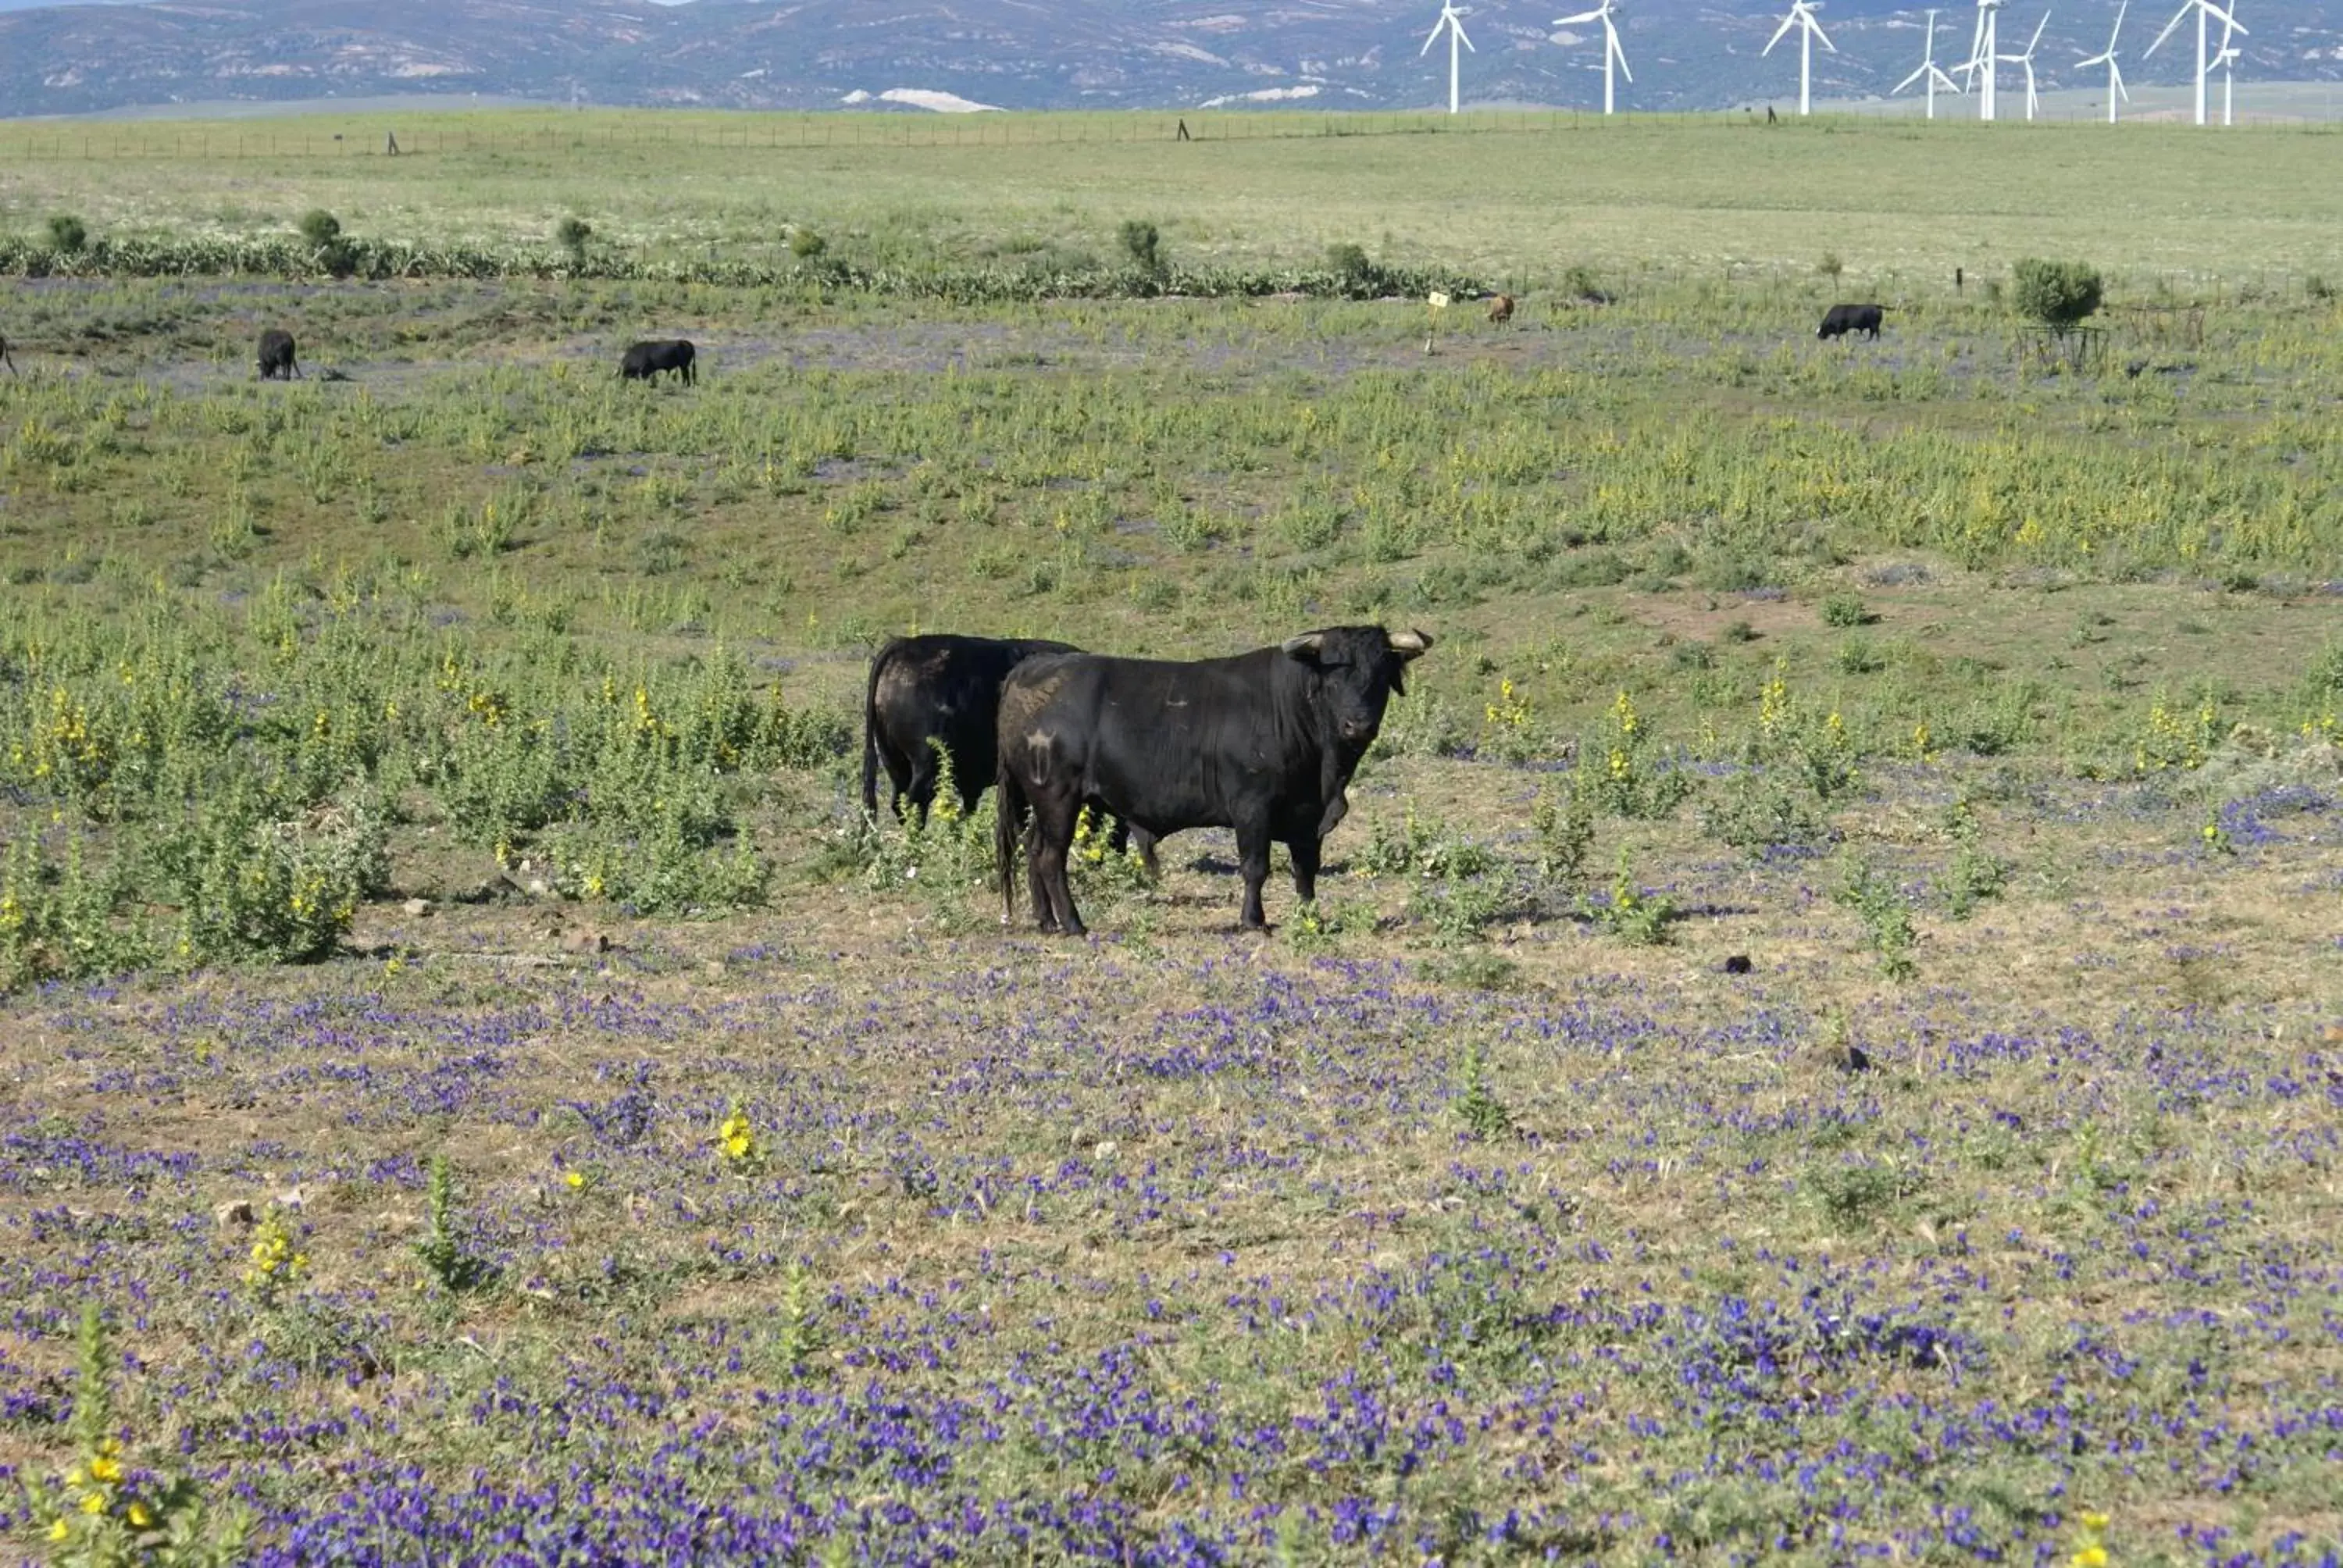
1036, 53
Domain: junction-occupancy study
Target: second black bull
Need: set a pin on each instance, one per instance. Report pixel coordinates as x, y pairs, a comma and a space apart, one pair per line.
1263, 743
942, 691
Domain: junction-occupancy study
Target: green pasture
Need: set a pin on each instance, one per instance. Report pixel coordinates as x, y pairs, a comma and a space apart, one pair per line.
1517, 197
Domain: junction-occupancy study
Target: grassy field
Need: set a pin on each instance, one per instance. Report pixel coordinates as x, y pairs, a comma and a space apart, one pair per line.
1900, 203
1820, 1039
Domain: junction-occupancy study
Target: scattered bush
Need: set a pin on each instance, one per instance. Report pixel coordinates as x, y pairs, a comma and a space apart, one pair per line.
1847, 610
320, 228
571, 234
1830, 265
2057, 294
1142, 244
1348, 261
805, 244
68, 234
1886, 914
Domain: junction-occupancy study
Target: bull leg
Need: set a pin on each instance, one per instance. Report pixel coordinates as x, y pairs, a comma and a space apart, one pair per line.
1053, 841
1305, 849
921, 789
1147, 842
1252, 858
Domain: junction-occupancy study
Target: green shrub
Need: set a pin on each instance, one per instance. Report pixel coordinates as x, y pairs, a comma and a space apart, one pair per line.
2057, 294
68, 234
1142, 244
805, 244
320, 228
253, 886
1631, 914
1348, 261
1886, 914
1756, 811
1847, 610
571, 234
1830, 265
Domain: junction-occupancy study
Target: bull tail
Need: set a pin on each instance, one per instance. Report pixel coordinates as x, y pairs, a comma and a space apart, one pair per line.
870, 734
1009, 811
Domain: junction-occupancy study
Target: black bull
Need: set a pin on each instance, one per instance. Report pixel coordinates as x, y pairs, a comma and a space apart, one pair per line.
644, 361
1841, 319
942, 690
1263, 743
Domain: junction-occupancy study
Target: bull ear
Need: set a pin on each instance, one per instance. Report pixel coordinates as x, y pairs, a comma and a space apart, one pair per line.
1410, 643
1307, 647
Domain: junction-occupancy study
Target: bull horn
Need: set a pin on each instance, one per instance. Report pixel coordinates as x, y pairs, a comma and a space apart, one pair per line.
1409, 644
1307, 644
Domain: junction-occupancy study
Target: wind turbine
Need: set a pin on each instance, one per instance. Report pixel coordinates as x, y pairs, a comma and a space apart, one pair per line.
1928, 72
2225, 58
2204, 9
2108, 57
1451, 20
1802, 17
2026, 60
1980, 58
1612, 54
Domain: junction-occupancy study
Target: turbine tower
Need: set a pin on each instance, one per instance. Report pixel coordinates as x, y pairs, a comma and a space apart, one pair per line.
2026, 60
2108, 57
2225, 58
2205, 10
1802, 17
1612, 54
1981, 47
1451, 21
1929, 73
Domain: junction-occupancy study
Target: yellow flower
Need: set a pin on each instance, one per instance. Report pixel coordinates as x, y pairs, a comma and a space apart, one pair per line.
2094, 1523
59, 1529
107, 1470
93, 1503
2091, 1556
576, 1180
141, 1516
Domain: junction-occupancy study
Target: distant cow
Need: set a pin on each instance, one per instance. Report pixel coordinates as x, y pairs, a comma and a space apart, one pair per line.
1846, 318
276, 356
945, 689
645, 360
1264, 743
11, 364
1501, 309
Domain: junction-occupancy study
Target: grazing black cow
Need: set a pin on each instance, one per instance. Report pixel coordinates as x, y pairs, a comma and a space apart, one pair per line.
1264, 743
276, 356
11, 364
645, 360
1843, 320
945, 689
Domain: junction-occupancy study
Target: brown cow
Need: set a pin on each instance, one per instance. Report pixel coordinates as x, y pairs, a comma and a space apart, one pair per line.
1501, 309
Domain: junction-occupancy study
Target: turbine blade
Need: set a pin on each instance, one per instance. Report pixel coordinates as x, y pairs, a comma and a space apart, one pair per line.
1465, 38
1433, 38
1820, 36
2227, 22
1618, 53
2115, 71
1788, 22
1581, 16
2037, 32
2178, 16
1910, 79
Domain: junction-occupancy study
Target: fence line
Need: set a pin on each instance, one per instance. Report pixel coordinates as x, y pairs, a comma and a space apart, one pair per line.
782, 132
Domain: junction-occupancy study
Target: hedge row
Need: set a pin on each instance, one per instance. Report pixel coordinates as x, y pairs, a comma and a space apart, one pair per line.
380, 259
